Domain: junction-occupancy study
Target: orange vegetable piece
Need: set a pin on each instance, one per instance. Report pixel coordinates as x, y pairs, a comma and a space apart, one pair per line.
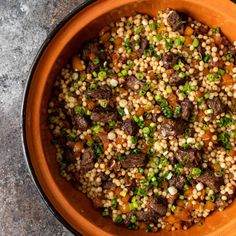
140, 111
232, 153
172, 100
210, 206
124, 208
118, 42
126, 198
227, 80
138, 176
188, 31
198, 94
205, 71
229, 67
207, 137
217, 39
171, 219
90, 105
188, 192
201, 116
78, 147
77, 63
188, 41
181, 213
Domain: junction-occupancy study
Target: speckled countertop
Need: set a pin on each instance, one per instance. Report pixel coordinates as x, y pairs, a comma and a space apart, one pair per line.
24, 25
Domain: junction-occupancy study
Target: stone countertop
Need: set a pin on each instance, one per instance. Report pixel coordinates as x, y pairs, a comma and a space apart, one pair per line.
24, 25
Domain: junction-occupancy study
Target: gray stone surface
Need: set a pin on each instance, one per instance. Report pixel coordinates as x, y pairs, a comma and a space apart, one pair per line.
24, 25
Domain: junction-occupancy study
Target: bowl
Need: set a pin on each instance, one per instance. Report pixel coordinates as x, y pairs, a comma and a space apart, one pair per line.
69, 205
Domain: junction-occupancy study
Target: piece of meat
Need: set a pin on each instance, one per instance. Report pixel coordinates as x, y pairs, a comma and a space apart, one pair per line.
104, 92
130, 127
210, 180
107, 184
169, 60
201, 30
158, 204
171, 127
69, 156
144, 44
91, 67
133, 160
189, 157
132, 83
87, 160
104, 114
128, 218
186, 108
175, 80
88, 49
216, 104
81, 122
176, 20
177, 181
148, 216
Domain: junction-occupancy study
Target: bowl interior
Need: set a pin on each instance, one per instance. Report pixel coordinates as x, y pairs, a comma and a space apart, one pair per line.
72, 205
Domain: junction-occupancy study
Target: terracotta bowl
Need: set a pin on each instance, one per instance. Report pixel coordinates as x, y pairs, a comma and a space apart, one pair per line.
70, 206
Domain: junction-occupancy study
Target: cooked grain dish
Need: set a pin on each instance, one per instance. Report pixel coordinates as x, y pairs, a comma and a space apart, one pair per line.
143, 120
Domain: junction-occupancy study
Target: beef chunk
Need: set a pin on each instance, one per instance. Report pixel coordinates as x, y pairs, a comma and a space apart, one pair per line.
132, 82
88, 49
107, 184
175, 20
172, 127
130, 127
186, 107
158, 204
210, 180
104, 92
133, 160
87, 160
169, 60
150, 215
176, 80
178, 182
128, 218
68, 155
216, 105
104, 114
189, 157
81, 122
91, 67
144, 44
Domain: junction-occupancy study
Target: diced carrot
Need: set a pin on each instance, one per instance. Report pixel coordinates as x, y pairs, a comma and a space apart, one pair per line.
207, 137
124, 208
227, 80
117, 191
78, 147
142, 225
229, 67
201, 116
180, 203
217, 39
210, 206
172, 100
104, 139
171, 219
188, 192
77, 63
188, 41
198, 94
140, 111
126, 198
181, 213
118, 42
188, 31
161, 28
133, 55
232, 153
90, 105
177, 225
122, 90
216, 167
88, 137
189, 206
205, 71
138, 176
196, 205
